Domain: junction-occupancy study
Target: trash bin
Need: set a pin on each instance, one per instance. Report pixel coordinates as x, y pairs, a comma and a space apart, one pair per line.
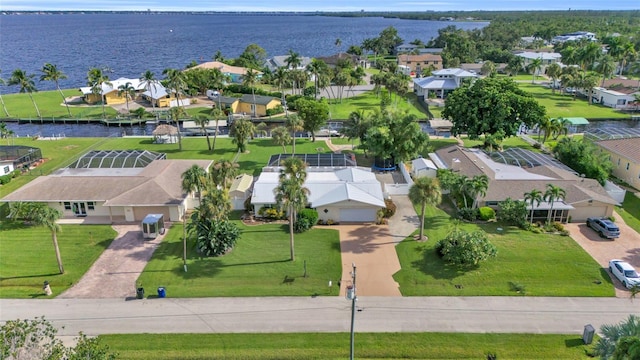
140, 293
162, 292
587, 334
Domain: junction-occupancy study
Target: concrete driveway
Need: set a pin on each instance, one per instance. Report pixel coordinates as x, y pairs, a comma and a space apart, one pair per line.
115, 272
626, 247
372, 249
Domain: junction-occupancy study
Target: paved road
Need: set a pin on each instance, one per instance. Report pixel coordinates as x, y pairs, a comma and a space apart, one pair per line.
323, 314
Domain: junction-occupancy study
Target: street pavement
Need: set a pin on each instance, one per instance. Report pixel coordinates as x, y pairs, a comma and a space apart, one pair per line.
323, 314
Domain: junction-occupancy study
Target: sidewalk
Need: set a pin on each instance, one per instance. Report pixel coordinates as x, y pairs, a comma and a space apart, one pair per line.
537, 315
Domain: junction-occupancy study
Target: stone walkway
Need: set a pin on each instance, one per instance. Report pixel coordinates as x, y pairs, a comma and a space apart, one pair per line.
115, 272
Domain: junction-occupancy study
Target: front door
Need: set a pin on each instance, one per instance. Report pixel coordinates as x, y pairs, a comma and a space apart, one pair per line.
79, 209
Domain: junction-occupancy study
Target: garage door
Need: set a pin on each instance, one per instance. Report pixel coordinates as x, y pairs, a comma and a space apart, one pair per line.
580, 214
357, 215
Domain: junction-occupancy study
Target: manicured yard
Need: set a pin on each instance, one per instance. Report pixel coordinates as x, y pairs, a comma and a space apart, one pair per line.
511, 142
369, 101
28, 257
336, 346
630, 211
545, 265
559, 105
50, 105
259, 265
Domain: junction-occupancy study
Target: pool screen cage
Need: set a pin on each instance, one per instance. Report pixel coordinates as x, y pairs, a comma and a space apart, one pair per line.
104, 159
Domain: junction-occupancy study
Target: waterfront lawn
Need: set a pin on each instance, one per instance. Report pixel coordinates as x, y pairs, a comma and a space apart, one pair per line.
369, 101
630, 210
336, 346
56, 154
51, 105
28, 257
510, 142
543, 264
259, 265
261, 149
559, 105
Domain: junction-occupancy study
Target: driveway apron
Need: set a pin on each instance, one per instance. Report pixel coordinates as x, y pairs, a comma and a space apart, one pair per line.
626, 247
115, 272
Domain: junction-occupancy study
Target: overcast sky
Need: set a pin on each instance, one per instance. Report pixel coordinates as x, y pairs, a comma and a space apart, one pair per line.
316, 5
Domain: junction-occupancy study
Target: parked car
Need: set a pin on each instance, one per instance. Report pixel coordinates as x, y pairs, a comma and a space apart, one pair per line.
604, 227
627, 275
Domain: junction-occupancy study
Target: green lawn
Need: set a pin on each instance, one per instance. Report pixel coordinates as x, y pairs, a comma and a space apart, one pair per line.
630, 211
511, 142
50, 105
546, 265
259, 265
369, 101
336, 346
28, 257
564, 106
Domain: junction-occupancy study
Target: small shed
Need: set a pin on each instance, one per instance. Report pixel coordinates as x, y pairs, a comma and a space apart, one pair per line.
423, 167
441, 127
152, 226
240, 191
576, 124
165, 134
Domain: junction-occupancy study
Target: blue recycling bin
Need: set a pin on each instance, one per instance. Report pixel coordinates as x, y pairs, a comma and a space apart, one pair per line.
162, 292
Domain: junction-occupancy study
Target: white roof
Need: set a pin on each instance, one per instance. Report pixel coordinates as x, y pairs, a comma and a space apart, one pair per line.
433, 83
539, 55
326, 187
457, 72
422, 163
115, 84
156, 92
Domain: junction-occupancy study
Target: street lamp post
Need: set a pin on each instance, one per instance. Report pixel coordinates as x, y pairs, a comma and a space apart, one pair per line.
351, 295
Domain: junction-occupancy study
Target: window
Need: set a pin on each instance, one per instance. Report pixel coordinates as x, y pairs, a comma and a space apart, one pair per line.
91, 205
618, 161
491, 203
67, 205
6, 169
622, 101
627, 166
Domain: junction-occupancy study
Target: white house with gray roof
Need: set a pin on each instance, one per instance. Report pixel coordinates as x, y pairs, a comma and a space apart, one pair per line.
350, 194
441, 82
281, 61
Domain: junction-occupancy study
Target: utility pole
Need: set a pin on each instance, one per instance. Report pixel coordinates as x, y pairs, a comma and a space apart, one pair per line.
351, 295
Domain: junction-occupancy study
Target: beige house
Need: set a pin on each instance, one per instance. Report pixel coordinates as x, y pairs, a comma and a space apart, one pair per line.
420, 64
625, 156
584, 197
240, 191
108, 195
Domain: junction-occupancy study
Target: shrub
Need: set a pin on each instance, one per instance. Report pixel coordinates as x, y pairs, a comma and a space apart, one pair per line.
390, 208
468, 214
537, 145
464, 248
276, 110
558, 226
486, 213
330, 222
215, 238
513, 212
565, 233
5, 179
536, 230
305, 220
271, 213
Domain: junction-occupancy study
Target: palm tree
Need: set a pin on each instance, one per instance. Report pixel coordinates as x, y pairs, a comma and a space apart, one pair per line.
294, 124
175, 113
587, 80
194, 179
25, 82
559, 126
50, 72
216, 204
203, 121
281, 136
293, 61
478, 188
128, 91
606, 66
176, 81
554, 71
222, 172
291, 193
488, 68
48, 217
612, 336
534, 66
280, 78
425, 191
318, 69
96, 78
588, 54
150, 83
551, 195
338, 44
250, 79
356, 127
534, 197
4, 107
241, 131
515, 65
217, 114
